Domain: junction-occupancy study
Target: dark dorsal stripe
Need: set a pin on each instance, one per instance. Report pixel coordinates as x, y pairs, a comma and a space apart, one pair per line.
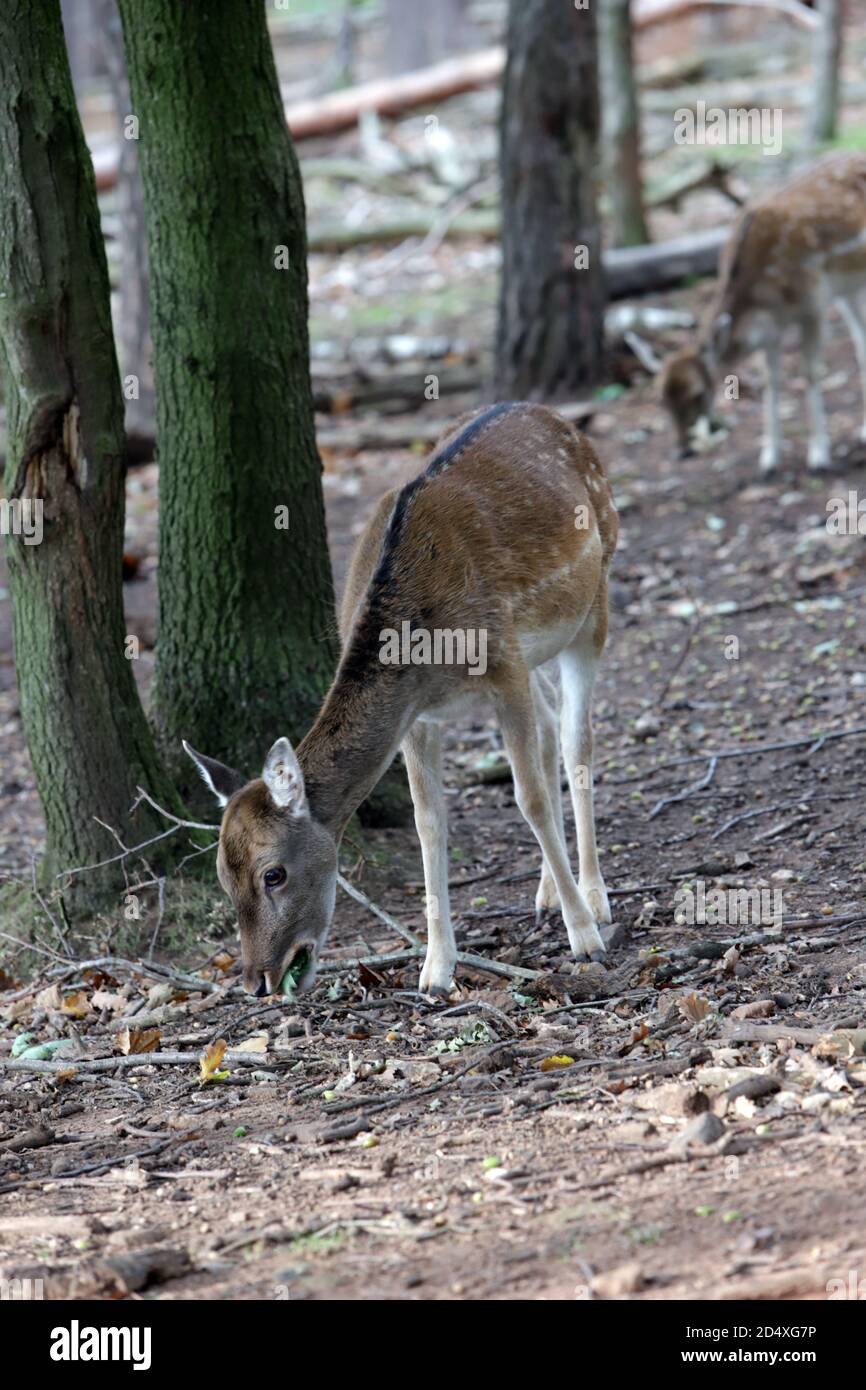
461, 441
438, 463
364, 641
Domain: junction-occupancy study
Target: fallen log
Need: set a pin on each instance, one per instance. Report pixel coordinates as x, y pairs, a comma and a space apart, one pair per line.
636, 270
403, 434
373, 433
391, 392
390, 96
387, 97
339, 237
649, 12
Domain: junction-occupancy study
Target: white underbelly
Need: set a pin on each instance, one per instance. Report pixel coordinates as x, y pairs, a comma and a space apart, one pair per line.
539, 646
464, 701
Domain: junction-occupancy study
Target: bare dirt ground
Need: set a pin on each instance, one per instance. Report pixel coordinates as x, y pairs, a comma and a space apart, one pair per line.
599, 1134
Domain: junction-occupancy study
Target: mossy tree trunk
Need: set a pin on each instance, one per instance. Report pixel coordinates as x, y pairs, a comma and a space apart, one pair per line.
549, 342
246, 640
88, 738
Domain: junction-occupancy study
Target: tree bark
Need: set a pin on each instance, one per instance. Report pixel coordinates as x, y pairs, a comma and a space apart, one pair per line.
132, 317
551, 298
827, 58
246, 639
88, 738
620, 124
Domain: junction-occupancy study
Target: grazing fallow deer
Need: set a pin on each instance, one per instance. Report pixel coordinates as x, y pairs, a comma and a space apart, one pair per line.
787, 258
506, 536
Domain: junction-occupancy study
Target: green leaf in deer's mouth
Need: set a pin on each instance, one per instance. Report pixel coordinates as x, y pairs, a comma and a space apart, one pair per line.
292, 977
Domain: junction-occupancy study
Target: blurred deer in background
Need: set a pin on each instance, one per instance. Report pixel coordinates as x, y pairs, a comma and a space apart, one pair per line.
788, 257
508, 533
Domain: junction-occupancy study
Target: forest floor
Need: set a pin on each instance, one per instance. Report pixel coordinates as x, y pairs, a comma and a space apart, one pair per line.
689, 1122
367, 1143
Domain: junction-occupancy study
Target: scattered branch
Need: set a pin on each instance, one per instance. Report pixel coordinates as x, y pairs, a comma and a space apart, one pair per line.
815, 741
784, 806
383, 916
691, 790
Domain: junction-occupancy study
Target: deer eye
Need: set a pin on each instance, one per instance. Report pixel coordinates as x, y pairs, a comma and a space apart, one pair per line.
274, 877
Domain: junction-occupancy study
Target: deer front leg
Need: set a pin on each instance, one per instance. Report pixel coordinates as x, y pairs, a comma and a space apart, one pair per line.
422, 749
522, 744
578, 665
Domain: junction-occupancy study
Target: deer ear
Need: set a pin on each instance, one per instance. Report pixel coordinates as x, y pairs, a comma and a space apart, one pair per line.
284, 779
223, 781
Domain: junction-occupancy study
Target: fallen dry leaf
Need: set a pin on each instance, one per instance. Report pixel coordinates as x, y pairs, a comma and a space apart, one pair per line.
134, 1040
76, 1005
759, 1008
210, 1061
108, 1000
694, 1007
257, 1043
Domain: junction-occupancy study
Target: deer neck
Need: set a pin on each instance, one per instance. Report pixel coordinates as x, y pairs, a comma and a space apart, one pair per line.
360, 727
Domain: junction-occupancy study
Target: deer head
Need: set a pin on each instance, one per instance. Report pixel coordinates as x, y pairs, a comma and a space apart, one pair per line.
276, 862
687, 392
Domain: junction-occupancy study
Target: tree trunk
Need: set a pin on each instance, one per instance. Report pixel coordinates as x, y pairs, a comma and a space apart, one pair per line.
245, 645
620, 123
827, 58
132, 318
551, 298
88, 738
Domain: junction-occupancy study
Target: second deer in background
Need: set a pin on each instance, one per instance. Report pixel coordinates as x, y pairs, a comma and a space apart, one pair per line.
788, 257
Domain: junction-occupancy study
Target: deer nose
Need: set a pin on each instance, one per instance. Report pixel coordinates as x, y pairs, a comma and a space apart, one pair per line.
261, 988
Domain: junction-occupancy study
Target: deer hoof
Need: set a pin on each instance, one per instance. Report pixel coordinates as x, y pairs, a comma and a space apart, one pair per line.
818, 458
596, 898
436, 980
546, 899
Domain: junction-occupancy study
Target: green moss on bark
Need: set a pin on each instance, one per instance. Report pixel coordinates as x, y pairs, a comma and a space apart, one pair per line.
88, 738
247, 640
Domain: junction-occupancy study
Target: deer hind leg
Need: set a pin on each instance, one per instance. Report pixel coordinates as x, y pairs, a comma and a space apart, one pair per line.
771, 448
578, 665
852, 312
818, 456
545, 704
422, 749
521, 736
